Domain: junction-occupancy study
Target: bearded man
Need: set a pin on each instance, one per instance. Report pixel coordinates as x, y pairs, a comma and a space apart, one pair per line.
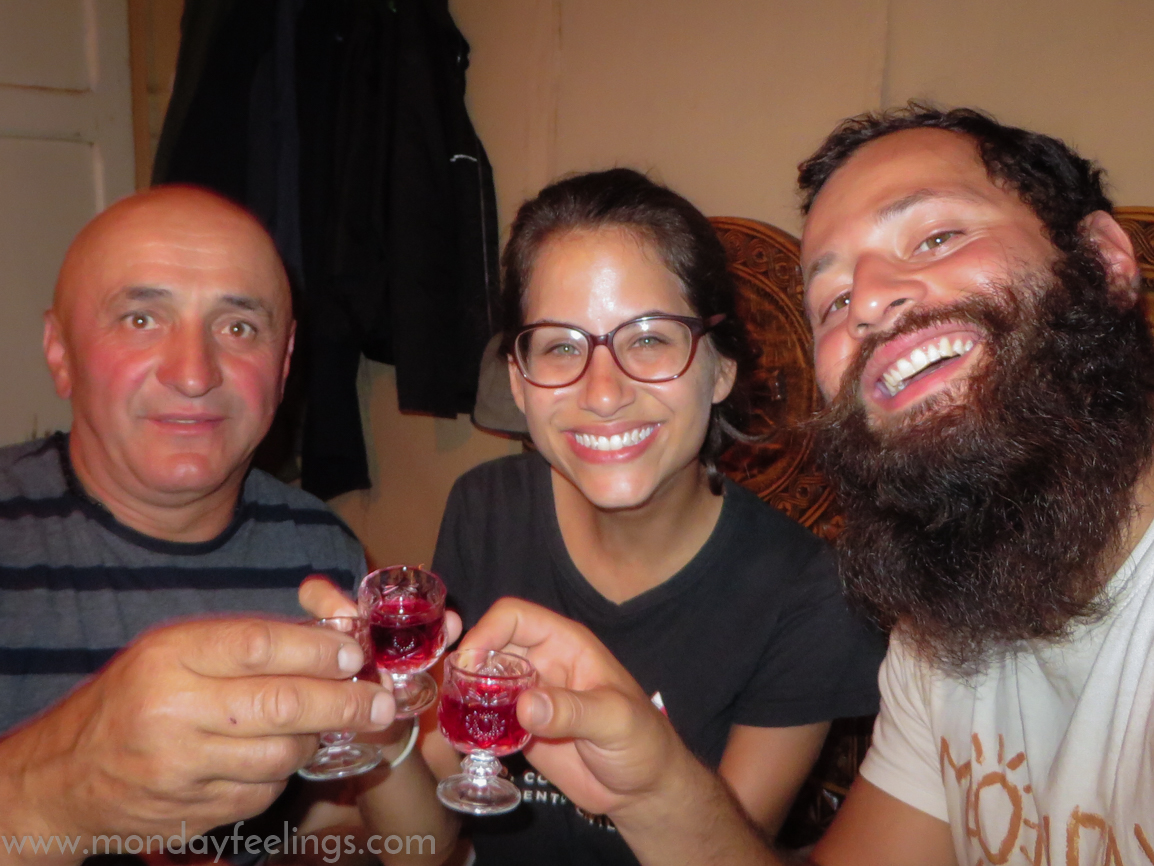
988, 369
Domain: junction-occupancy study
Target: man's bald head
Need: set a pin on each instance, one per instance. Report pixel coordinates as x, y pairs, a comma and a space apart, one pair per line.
166, 215
170, 331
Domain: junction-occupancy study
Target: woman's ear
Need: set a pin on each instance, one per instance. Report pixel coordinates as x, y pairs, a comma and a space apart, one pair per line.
1115, 250
726, 376
517, 385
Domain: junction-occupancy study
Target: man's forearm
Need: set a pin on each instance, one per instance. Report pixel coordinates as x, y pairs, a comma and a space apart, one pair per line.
696, 820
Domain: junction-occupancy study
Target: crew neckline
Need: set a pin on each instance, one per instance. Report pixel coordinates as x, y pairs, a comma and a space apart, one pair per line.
597, 605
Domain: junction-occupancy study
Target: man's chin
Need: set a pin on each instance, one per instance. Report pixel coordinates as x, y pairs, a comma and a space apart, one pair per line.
189, 476
931, 409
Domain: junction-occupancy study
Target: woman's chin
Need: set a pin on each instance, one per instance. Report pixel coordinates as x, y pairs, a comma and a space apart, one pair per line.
615, 493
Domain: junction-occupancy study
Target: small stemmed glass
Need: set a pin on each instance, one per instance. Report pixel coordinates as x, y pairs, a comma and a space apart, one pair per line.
338, 756
405, 609
478, 716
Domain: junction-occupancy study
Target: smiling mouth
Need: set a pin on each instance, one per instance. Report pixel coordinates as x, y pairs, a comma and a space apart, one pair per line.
617, 441
906, 369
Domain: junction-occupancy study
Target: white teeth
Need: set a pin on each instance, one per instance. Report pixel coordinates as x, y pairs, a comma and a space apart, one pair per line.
615, 442
895, 378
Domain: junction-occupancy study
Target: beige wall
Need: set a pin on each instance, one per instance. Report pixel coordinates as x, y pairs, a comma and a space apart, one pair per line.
721, 99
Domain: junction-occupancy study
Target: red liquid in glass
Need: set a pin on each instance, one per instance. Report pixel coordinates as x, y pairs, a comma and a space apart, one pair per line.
407, 634
489, 725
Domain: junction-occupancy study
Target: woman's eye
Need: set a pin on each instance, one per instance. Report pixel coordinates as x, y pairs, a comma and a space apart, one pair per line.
562, 350
649, 341
935, 241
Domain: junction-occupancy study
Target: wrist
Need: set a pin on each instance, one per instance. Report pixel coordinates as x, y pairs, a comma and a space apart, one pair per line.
680, 785
36, 808
410, 743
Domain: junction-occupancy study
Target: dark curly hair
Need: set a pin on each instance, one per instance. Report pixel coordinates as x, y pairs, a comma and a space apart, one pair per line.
1060, 186
687, 244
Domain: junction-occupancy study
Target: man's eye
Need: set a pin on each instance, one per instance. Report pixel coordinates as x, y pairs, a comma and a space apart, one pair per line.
138, 321
935, 241
838, 303
240, 329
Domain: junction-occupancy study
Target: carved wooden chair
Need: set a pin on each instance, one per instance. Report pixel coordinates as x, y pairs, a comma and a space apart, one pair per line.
1139, 224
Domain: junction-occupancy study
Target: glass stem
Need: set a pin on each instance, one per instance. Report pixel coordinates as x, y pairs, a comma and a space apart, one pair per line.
481, 766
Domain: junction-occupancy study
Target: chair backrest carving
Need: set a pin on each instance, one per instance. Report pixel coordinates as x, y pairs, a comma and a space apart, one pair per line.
780, 466
1139, 224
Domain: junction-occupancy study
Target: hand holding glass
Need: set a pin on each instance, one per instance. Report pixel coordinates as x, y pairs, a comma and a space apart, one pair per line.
478, 715
405, 609
338, 755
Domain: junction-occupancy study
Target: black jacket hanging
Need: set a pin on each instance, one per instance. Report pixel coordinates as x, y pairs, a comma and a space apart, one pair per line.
379, 178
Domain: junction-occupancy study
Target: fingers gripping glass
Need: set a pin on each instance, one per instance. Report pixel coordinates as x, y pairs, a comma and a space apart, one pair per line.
648, 349
338, 756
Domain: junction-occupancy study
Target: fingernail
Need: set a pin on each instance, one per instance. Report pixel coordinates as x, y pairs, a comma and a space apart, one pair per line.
537, 708
384, 709
350, 659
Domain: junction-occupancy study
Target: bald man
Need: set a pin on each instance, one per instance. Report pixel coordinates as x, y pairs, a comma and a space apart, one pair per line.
170, 332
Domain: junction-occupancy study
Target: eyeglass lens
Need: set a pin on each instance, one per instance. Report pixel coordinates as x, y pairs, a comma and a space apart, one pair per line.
648, 350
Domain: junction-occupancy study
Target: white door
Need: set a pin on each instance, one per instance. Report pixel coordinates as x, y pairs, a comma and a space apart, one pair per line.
65, 153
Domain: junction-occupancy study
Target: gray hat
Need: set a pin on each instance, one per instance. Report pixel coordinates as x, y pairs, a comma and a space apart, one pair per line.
495, 409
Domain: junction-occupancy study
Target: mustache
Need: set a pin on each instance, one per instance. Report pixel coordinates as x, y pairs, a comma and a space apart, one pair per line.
994, 312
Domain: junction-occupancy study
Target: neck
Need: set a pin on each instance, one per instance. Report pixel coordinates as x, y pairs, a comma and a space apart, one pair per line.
186, 517
623, 553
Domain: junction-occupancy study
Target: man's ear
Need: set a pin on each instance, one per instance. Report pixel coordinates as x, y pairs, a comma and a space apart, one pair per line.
288, 357
517, 385
56, 354
1115, 250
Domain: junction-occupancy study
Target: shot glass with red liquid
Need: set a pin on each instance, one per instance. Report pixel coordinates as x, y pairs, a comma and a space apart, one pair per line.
338, 756
405, 609
478, 716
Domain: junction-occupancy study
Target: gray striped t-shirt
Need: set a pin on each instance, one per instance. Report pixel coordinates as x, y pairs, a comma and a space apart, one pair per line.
76, 585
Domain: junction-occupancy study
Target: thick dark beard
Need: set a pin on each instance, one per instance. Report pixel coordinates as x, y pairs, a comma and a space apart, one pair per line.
994, 513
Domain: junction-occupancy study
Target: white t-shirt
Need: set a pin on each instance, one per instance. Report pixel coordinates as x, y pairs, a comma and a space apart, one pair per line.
1047, 758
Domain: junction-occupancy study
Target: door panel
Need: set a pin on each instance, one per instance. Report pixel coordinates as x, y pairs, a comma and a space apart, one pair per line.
65, 154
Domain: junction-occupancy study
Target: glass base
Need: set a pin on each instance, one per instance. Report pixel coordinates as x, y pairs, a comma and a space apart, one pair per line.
339, 762
488, 796
414, 693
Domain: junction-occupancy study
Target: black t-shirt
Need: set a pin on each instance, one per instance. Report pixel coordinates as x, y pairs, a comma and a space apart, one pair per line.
753, 631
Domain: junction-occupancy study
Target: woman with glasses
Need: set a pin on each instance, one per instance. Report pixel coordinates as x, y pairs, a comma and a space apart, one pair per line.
628, 359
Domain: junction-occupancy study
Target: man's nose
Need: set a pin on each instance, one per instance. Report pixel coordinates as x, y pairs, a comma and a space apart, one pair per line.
881, 293
605, 388
190, 364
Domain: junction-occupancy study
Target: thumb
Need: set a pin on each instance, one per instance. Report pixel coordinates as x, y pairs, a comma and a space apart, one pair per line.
604, 716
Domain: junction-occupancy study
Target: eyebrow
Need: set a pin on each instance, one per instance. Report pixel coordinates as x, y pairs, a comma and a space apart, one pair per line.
239, 302
891, 211
248, 303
